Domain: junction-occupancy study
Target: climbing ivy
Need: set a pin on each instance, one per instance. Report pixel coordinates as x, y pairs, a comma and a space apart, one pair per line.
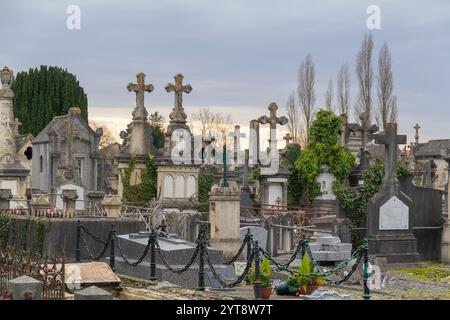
205, 182
323, 149
295, 186
145, 191
355, 201
5, 227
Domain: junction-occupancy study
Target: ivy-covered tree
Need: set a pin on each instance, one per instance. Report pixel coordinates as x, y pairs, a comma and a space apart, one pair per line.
41, 94
323, 149
295, 186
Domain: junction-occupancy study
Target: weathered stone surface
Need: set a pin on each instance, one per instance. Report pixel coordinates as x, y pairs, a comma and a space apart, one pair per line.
79, 275
93, 293
26, 288
394, 215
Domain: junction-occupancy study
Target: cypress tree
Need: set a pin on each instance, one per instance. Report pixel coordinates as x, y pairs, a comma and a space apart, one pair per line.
41, 94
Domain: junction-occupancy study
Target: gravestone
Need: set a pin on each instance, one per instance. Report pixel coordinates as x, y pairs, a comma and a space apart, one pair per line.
259, 233
389, 227
93, 293
26, 288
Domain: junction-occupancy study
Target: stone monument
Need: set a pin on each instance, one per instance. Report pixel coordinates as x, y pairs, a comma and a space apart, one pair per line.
389, 213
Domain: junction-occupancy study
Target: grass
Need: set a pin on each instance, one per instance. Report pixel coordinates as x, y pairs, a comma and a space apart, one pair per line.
431, 272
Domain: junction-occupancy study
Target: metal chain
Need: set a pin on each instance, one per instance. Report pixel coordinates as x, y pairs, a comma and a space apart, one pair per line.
167, 265
91, 235
102, 252
141, 258
244, 242
220, 279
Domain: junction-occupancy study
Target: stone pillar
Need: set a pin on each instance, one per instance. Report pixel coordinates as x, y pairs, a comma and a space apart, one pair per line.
26, 288
69, 201
5, 197
445, 245
224, 218
112, 205
40, 204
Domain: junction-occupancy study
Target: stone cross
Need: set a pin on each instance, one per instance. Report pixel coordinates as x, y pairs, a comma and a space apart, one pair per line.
140, 113
178, 114
390, 139
417, 127
288, 138
273, 120
238, 157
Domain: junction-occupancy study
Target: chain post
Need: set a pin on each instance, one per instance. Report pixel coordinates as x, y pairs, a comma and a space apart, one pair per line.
112, 255
77, 249
201, 266
257, 282
366, 294
249, 252
152, 256
303, 246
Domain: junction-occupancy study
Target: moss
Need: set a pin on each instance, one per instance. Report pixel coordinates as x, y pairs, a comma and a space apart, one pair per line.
432, 273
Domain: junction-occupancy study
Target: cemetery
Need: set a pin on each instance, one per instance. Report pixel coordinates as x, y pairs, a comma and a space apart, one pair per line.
205, 206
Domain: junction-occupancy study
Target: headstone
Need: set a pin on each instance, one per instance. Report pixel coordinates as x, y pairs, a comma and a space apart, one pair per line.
325, 179
93, 293
258, 233
389, 227
26, 288
81, 275
228, 275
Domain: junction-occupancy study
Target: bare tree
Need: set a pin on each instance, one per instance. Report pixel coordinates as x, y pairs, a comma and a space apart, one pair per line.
329, 97
213, 124
108, 138
364, 74
343, 89
295, 127
224, 123
387, 101
306, 94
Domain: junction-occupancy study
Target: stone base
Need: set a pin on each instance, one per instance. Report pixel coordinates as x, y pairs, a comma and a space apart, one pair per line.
395, 248
229, 247
445, 245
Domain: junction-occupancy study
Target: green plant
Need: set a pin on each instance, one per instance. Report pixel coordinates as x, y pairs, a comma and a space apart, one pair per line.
265, 274
305, 276
255, 175
205, 183
323, 149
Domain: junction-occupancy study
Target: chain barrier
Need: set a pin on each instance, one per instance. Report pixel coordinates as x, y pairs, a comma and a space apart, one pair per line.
102, 252
91, 235
141, 258
238, 254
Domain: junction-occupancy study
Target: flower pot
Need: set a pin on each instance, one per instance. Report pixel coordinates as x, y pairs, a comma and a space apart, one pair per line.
265, 292
308, 291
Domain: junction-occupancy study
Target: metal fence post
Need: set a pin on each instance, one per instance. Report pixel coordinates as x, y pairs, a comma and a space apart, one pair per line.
366, 294
201, 266
303, 246
257, 282
249, 252
77, 249
152, 256
112, 256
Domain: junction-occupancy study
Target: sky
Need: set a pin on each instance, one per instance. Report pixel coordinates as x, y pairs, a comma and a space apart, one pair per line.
239, 56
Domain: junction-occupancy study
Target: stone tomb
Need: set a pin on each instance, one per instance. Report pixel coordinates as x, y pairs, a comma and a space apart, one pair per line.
177, 253
258, 233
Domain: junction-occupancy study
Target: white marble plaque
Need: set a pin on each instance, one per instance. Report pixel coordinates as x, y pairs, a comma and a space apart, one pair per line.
394, 215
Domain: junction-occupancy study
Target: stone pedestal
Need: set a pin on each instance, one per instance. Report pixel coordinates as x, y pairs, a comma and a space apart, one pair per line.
112, 205
69, 201
224, 218
40, 204
5, 198
93, 293
26, 288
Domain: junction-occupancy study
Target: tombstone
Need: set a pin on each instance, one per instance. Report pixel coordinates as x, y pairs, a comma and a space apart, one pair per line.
342, 228
26, 288
224, 219
112, 205
389, 226
93, 293
259, 233
5, 198
325, 179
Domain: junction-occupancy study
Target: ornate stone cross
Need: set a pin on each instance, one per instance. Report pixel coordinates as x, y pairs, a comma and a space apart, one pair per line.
417, 127
178, 114
390, 139
288, 138
273, 120
140, 113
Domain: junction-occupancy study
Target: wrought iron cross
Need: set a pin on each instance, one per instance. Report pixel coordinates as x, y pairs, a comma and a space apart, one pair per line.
140, 88
178, 88
390, 139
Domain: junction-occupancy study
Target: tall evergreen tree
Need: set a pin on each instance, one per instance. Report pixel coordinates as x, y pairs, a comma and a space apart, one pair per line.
41, 94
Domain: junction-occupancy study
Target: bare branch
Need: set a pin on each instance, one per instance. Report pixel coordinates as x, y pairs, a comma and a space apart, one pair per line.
364, 74
387, 102
343, 89
306, 94
329, 97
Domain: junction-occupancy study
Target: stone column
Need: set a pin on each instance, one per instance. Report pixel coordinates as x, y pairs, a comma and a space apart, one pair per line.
112, 205
5, 197
40, 204
69, 200
224, 218
445, 245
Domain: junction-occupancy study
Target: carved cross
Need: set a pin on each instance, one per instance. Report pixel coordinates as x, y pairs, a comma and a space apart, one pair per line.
417, 127
390, 139
272, 119
178, 88
288, 138
140, 113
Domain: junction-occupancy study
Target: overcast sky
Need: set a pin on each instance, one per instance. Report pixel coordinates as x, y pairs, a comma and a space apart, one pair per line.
239, 56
